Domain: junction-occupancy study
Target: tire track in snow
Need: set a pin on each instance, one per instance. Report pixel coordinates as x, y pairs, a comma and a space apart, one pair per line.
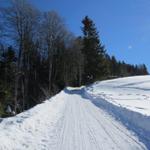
86, 127
101, 126
110, 133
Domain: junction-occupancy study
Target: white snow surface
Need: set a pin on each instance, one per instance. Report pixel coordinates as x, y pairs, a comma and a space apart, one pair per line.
132, 93
78, 119
128, 100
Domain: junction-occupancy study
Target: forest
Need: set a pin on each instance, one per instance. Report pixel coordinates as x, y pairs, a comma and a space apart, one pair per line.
39, 57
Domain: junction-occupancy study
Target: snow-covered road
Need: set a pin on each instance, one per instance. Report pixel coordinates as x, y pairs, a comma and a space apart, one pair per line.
86, 127
68, 122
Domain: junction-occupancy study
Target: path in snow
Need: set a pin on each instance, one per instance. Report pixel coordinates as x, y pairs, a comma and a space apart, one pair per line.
87, 127
78, 125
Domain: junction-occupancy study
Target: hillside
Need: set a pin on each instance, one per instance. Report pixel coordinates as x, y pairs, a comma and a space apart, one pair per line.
98, 117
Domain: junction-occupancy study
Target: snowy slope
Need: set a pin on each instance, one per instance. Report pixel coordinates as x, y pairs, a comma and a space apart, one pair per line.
33, 129
128, 100
132, 93
68, 121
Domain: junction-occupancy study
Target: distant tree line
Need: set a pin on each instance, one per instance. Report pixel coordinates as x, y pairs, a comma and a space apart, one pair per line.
44, 57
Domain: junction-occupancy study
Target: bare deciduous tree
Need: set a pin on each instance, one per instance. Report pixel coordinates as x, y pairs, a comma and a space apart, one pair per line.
53, 29
21, 19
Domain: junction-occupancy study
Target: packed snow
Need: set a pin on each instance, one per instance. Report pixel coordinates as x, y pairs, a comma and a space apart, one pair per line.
78, 119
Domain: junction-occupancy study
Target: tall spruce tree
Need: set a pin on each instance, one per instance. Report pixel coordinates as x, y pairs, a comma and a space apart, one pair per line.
93, 52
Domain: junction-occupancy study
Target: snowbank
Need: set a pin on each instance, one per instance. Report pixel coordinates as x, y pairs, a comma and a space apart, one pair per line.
105, 95
73, 120
33, 128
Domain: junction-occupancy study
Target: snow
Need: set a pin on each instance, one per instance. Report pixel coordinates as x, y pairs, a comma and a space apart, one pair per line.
132, 93
78, 119
33, 129
128, 100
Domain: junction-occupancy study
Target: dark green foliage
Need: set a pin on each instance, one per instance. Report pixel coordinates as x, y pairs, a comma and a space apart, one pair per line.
93, 51
121, 69
48, 58
7, 74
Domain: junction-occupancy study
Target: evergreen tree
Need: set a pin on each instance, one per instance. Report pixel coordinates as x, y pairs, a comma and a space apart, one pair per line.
93, 52
7, 67
47, 57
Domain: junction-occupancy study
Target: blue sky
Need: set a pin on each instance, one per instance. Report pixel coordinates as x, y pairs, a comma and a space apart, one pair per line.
124, 25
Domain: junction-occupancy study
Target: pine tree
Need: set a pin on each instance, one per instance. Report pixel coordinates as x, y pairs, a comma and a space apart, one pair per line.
93, 52
7, 67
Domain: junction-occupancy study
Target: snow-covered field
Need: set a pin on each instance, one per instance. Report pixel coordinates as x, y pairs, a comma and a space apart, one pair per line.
98, 117
128, 100
132, 93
